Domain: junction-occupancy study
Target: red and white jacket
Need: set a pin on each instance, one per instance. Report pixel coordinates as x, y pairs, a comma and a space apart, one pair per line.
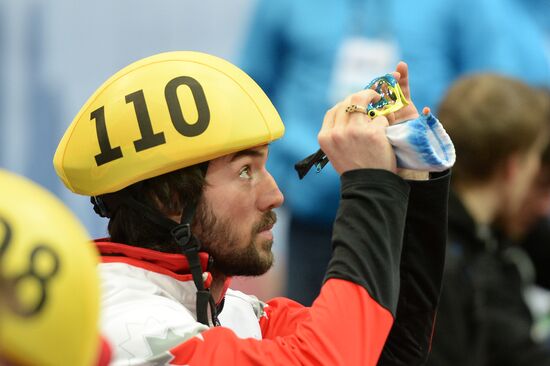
148, 316
381, 267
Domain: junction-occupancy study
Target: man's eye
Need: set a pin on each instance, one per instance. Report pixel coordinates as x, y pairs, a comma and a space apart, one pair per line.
245, 172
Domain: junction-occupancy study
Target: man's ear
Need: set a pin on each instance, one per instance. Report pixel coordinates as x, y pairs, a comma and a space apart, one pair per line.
172, 210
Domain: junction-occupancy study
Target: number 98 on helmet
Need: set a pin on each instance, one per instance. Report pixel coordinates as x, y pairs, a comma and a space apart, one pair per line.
49, 287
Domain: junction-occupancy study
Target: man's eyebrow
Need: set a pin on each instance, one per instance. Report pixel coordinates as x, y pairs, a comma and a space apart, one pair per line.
249, 152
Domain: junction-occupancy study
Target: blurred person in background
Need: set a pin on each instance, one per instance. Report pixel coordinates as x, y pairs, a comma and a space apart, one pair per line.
531, 229
500, 129
525, 235
308, 54
49, 285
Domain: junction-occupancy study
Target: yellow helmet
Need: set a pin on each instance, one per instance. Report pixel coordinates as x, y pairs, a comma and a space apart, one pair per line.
160, 114
49, 287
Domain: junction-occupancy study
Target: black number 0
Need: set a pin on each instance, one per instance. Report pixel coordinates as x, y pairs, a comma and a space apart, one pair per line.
149, 138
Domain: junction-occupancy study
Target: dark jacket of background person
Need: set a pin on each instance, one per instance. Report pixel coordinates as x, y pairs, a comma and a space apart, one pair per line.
537, 245
483, 318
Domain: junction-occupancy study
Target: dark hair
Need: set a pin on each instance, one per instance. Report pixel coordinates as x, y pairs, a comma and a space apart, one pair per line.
168, 195
490, 117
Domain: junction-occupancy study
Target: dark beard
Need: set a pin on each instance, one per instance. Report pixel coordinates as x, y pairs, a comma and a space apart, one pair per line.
221, 242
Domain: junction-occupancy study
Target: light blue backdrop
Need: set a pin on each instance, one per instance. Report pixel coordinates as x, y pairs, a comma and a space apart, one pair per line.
54, 54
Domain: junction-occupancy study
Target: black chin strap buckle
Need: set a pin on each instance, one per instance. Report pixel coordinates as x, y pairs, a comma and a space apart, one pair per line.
190, 247
100, 207
182, 235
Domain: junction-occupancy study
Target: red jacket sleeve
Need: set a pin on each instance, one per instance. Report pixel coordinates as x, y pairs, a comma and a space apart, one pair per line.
345, 326
282, 316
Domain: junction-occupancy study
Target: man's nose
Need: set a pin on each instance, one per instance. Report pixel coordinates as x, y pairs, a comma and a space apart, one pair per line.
272, 197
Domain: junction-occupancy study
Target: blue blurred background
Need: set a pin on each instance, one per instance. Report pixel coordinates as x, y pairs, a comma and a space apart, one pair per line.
54, 54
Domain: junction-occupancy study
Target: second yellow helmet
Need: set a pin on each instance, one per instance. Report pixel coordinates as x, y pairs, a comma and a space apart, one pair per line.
49, 286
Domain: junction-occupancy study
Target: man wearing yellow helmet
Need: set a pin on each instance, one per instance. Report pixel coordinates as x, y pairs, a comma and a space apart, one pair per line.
49, 287
173, 150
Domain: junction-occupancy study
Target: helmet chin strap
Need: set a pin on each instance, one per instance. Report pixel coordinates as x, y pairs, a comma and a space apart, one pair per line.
107, 206
190, 247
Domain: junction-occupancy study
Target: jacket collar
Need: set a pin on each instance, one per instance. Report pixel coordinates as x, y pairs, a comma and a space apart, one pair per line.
170, 264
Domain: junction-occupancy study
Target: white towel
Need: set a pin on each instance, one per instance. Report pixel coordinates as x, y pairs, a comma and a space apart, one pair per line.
422, 144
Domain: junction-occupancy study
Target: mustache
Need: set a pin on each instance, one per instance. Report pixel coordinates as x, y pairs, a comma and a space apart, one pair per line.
267, 220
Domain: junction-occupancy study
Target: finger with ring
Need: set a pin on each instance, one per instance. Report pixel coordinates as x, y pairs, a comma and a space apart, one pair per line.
356, 108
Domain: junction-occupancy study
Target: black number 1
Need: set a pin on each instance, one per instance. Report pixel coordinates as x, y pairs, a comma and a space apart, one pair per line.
107, 153
148, 137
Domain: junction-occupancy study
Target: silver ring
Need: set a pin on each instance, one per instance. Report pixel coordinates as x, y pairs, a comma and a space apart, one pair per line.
356, 108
